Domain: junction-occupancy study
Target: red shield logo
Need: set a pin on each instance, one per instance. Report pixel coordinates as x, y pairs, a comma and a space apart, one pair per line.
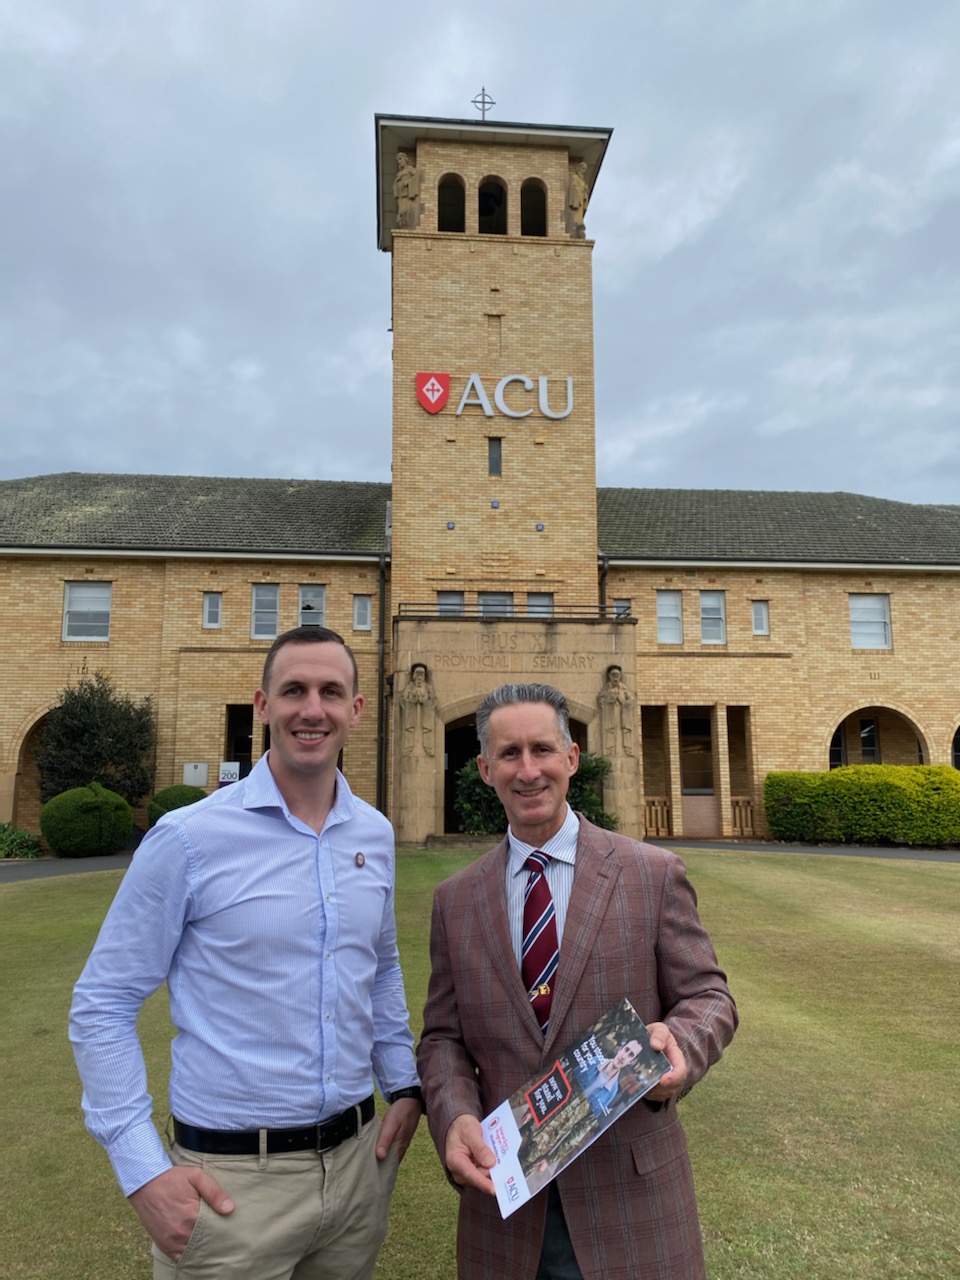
433, 390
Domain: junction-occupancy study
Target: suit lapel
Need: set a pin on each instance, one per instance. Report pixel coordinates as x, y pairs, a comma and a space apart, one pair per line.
597, 871
490, 905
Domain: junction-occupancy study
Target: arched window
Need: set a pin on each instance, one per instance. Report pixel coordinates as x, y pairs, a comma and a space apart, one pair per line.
451, 204
533, 208
956, 750
492, 208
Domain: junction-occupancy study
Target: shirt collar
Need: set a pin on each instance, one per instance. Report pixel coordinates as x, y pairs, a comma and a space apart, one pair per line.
562, 846
262, 792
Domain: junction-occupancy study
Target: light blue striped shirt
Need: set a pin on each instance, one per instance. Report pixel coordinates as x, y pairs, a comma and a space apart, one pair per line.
279, 950
562, 849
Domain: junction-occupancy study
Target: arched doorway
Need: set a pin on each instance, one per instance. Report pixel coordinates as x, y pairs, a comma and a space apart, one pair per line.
26, 804
460, 745
877, 735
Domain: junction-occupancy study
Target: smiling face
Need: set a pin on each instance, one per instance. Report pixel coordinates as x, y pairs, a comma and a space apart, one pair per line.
310, 707
530, 768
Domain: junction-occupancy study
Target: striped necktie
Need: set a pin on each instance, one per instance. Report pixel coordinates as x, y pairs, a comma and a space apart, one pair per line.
538, 957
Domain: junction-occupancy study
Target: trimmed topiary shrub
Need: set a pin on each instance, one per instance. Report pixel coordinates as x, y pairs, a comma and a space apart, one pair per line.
175, 797
86, 821
16, 843
866, 804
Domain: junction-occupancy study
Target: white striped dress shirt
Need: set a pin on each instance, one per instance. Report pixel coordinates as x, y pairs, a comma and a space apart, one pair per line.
278, 947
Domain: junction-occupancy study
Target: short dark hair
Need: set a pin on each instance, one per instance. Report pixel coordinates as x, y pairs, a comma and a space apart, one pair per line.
307, 635
509, 695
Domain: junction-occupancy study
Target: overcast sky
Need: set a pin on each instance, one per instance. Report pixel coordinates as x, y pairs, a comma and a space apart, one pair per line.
189, 277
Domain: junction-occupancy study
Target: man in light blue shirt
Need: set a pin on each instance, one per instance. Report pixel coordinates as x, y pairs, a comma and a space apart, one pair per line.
267, 908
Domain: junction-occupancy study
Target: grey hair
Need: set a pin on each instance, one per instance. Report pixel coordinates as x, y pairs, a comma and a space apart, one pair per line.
509, 695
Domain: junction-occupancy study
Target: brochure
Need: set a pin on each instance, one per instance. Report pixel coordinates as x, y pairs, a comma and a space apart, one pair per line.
546, 1124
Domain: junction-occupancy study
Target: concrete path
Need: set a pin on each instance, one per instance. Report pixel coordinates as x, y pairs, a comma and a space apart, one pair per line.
840, 850
41, 868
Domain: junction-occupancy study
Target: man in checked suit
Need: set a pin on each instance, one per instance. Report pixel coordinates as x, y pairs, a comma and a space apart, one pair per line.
627, 925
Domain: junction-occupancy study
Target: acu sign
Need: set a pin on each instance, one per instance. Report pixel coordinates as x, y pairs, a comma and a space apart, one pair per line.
433, 392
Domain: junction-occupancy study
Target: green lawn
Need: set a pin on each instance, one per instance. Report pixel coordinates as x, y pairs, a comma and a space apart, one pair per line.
825, 1144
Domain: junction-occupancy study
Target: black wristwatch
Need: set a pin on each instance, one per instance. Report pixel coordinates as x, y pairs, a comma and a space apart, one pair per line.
413, 1092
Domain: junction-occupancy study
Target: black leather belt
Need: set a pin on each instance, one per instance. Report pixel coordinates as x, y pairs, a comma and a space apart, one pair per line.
246, 1142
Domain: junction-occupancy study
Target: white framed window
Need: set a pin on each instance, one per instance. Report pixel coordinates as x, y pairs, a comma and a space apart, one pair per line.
713, 617
869, 741
495, 604
450, 604
313, 606
870, 621
494, 456
669, 617
622, 608
761, 617
265, 611
362, 613
540, 604
212, 610
86, 610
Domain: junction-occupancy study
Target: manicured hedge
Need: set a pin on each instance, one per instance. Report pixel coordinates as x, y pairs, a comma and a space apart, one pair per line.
175, 797
86, 821
866, 804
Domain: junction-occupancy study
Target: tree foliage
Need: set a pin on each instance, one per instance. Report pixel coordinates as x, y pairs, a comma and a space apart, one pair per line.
95, 734
481, 813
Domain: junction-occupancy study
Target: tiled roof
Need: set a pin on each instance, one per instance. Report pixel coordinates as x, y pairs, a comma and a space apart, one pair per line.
77, 511
734, 524
193, 513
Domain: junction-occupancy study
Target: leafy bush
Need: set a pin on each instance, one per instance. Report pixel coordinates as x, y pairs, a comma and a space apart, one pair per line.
476, 804
175, 797
15, 843
866, 804
586, 787
95, 734
481, 813
86, 821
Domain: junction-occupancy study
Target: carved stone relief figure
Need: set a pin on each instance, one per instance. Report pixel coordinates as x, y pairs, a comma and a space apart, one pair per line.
578, 198
419, 712
616, 714
406, 188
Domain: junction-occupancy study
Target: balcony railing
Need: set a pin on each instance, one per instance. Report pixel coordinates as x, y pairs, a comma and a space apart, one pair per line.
592, 612
742, 808
656, 816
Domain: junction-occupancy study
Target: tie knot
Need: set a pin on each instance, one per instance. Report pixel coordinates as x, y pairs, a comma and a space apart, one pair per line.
537, 861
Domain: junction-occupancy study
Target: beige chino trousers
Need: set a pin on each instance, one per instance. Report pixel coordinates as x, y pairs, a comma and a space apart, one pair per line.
298, 1216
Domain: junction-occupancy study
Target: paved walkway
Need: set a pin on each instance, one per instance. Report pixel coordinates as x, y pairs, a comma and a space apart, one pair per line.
41, 868
840, 850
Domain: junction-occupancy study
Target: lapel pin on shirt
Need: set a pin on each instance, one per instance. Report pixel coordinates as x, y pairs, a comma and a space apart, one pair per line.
360, 859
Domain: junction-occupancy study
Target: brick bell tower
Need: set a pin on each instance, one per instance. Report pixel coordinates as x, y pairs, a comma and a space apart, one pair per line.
494, 528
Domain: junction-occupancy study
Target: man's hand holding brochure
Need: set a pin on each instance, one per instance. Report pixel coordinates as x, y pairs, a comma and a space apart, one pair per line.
552, 1119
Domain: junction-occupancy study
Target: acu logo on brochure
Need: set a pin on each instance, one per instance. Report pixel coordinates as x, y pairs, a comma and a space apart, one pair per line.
433, 392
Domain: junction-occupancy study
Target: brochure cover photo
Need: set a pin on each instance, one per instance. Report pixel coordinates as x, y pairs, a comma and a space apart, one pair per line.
546, 1124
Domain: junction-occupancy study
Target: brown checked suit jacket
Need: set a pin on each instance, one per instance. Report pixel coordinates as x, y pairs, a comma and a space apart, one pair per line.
632, 929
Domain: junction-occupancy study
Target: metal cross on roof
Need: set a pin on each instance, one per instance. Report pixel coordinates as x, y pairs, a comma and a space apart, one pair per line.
483, 102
